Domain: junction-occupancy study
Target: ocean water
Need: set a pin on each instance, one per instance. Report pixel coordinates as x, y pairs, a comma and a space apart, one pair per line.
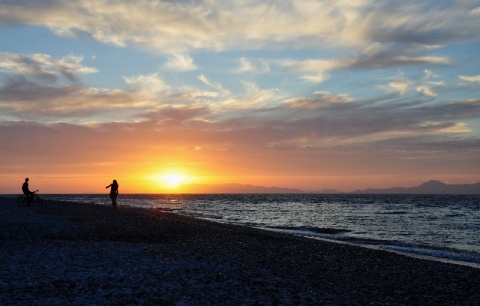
437, 227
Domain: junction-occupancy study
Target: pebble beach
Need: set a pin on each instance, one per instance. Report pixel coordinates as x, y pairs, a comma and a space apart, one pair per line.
86, 254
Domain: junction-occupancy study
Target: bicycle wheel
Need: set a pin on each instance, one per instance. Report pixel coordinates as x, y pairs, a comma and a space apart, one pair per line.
39, 202
21, 201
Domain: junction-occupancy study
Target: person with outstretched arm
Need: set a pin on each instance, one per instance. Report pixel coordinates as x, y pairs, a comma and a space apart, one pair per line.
113, 193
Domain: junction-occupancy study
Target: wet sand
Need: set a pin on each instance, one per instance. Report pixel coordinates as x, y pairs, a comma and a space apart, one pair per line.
77, 254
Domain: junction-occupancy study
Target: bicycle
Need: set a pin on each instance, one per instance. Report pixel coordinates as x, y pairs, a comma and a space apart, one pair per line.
36, 200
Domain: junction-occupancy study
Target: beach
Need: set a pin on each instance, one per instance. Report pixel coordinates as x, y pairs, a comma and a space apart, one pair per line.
84, 254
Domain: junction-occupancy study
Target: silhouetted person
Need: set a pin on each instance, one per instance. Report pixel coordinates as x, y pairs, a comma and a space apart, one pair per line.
113, 193
26, 191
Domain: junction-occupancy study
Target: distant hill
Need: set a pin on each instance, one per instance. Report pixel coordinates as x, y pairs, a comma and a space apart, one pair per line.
327, 191
236, 188
430, 187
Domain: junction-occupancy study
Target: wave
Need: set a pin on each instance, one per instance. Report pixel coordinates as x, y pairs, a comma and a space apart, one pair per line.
394, 213
451, 256
471, 259
318, 230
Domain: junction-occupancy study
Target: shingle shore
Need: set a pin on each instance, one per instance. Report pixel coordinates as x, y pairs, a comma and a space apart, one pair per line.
84, 254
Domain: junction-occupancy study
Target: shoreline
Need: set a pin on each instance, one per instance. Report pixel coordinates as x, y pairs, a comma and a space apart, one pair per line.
383, 248
88, 253
423, 251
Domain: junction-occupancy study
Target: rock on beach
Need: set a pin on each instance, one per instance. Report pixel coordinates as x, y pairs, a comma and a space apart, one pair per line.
85, 254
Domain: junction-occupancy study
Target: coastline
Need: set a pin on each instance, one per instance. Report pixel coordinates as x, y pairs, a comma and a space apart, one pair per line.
90, 254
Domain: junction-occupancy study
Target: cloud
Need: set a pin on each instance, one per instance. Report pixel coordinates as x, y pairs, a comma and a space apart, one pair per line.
150, 85
260, 134
399, 87
30, 98
27, 100
428, 75
475, 12
248, 66
245, 66
214, 85
318, 70
312, 70
425, 86
44, 67
259, 114
387, 54
179, 114
382, 61
426, 91
253, 98
170, 26
322, 98
470, 78
354, 124
315, 78
420, 23
180, 62
435, 127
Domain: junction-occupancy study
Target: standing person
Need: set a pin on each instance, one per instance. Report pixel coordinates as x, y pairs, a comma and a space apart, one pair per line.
26, 191
113, 193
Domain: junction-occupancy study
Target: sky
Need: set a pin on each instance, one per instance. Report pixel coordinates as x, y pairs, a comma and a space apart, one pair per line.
296, 93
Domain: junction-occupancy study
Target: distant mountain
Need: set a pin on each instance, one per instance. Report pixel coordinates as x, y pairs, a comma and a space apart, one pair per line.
430, 187
326, 191
236, 188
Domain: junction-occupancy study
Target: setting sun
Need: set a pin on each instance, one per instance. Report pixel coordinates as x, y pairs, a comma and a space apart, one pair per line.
173, 180
170, 180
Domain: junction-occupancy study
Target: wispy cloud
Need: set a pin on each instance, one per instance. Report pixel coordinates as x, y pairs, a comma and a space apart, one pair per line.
317, 70
382, 61
216, 86
249, 66
470, 78
245, 65
339, 118
180, 62
253, 98
23, 97
426, 91
43, 66
167, 26
147, 85
400, 87
321, 99
314, 70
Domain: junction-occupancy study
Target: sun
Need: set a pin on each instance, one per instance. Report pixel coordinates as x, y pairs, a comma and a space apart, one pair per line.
171, 180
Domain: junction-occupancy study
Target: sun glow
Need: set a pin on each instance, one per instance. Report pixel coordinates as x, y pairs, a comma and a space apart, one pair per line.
173, 180
170, 180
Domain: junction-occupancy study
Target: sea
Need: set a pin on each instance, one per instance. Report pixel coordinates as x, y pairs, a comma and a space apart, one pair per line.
436, 227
